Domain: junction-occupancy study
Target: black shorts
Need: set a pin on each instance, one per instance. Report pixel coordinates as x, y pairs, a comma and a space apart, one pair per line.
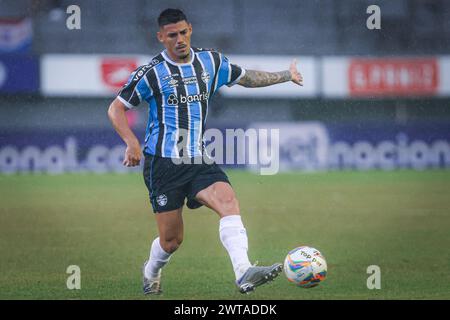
169, 184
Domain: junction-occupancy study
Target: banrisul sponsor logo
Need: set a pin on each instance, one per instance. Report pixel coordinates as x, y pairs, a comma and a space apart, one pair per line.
174, 100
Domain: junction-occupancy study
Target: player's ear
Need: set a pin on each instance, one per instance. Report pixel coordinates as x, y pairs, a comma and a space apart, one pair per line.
159, 36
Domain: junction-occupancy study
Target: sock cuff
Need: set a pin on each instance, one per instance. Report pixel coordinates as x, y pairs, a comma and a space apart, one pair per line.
163, 254
231, 221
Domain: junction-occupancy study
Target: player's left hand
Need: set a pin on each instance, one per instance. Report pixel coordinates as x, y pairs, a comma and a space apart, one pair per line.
296, 76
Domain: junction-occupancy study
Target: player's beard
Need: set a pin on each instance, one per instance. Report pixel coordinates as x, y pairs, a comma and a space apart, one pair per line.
185, 56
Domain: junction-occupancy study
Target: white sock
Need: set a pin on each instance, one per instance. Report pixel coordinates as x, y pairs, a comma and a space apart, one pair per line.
158, 258
234, 238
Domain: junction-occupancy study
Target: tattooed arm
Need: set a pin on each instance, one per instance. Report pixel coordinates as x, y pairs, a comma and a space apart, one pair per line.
256, 79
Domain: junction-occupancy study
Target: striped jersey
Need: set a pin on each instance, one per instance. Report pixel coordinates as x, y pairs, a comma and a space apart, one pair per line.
178, 95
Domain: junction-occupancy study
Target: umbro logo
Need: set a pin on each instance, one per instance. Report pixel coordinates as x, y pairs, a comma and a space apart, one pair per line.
173, 82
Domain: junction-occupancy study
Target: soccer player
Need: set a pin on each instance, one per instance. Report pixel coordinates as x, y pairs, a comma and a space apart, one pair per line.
178, 84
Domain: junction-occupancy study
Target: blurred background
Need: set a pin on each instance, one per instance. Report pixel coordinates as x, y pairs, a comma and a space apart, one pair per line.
372, 98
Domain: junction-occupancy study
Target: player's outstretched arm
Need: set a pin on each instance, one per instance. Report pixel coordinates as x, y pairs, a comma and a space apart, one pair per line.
116, 114
256, 79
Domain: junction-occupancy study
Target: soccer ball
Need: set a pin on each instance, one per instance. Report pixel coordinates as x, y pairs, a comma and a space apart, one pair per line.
305, 266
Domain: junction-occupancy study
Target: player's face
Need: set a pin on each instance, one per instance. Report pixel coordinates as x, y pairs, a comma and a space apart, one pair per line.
176, 37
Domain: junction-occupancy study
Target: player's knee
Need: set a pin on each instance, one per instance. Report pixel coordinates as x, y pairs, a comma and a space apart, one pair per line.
229, 204
171, 245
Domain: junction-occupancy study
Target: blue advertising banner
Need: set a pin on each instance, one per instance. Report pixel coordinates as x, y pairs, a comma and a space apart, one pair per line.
19, 74
380, 146
62, 151
266, 147
317, 146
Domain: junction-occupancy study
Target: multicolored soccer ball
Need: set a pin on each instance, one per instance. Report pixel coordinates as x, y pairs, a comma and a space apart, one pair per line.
305, 266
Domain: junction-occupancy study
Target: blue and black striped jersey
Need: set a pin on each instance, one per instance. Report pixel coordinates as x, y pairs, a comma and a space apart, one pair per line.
178, 95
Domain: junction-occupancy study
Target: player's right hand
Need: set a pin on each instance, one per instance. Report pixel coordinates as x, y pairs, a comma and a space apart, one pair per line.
133, 155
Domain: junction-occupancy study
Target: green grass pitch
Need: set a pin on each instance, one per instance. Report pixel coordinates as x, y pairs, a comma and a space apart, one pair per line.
399, 221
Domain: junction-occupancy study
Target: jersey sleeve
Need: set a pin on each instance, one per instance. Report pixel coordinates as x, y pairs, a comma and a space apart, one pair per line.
229, 74
136, 89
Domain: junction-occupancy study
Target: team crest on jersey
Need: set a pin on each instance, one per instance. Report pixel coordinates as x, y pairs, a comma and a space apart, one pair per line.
205, 77
162, 200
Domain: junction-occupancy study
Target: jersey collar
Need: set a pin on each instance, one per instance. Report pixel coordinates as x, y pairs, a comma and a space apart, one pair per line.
167, 58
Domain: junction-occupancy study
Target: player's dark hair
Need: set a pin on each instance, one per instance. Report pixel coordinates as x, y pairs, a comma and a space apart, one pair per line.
169, 16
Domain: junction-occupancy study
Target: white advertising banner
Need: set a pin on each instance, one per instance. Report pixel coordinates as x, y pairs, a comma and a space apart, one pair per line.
334, 77
86, 75
444, 67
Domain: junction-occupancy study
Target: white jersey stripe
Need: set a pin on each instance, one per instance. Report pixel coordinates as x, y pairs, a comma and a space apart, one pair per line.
188, 144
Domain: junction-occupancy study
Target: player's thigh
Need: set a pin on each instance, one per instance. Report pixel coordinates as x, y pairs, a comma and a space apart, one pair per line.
220, 197
170, 226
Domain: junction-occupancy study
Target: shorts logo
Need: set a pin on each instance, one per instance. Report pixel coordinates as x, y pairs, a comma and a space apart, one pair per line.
162, 200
